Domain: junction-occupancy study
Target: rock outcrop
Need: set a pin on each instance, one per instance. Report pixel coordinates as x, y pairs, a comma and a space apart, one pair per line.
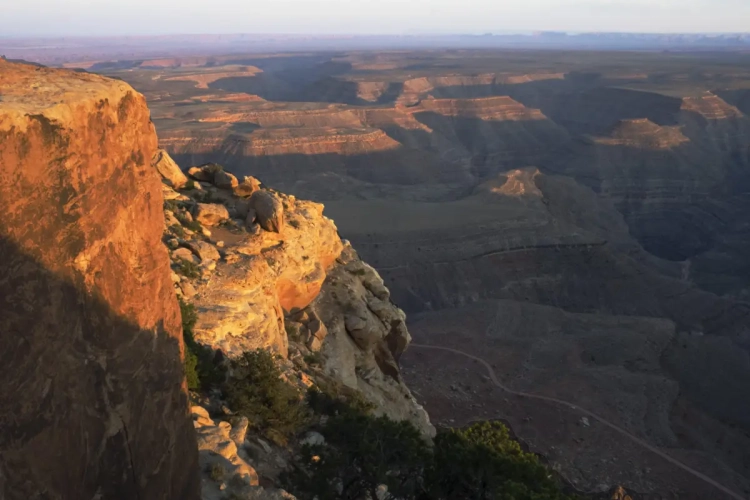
277, 276
361, 336
169, 170
93, 402
268, 210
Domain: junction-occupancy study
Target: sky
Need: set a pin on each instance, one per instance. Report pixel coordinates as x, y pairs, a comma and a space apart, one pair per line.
152, 17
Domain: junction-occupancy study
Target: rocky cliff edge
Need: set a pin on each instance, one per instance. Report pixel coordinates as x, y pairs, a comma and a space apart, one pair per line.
266, 270
93, 401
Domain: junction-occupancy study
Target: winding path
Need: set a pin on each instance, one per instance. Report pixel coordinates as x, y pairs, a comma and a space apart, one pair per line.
589, 414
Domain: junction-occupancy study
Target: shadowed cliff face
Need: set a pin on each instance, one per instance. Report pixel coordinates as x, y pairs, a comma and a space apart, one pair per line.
93, 404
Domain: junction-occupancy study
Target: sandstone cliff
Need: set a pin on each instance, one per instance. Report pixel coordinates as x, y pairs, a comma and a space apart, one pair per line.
293, 287
93, 403
267, 271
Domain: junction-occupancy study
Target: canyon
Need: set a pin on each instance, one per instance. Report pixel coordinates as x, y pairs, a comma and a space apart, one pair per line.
576, 219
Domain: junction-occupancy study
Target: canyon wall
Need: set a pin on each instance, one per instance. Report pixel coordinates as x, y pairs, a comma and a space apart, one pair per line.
292, 287
93, 402
604, 192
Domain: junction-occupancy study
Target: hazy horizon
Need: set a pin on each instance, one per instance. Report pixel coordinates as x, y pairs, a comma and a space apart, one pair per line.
55, 18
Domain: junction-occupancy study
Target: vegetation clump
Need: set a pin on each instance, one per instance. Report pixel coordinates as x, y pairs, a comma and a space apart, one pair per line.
171, 205
189, 223
177, 230
314, 359
330, 397
217, 472
361, 453
368, 456
257, 391
484, 462
201, 370
188, 269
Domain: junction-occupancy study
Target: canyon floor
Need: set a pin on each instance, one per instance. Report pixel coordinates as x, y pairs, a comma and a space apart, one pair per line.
579, 220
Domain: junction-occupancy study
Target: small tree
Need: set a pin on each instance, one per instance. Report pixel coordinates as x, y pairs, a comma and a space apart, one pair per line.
483, 462
201, 371
257, 391
361, 453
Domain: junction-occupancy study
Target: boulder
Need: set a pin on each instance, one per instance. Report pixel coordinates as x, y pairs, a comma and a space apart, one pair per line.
204, 251
314, 344
225, 180
188, 290
201, 417
247, 187
220, 458
318, 333
269, 210
171, 194
170, 219
184, 254
317, 328
168, 170
294, 330
241, 208
201, 174
250, 218
239, 430
313, 439
300, 315
210, 214
185, 215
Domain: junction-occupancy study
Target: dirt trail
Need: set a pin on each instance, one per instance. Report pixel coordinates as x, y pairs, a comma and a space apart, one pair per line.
589, 414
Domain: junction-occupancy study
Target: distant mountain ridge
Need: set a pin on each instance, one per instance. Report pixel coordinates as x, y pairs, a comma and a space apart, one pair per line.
61, 50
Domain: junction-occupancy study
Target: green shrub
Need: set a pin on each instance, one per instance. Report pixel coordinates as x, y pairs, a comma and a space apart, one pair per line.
189, 185
314, 359
361, 452
484, 462
194, 226
191, 224
189, 269
331, 397
191, 370
257, 391
293, 331
201, 370
189, 317
171, 205
213, 198
217, 472
177, 230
